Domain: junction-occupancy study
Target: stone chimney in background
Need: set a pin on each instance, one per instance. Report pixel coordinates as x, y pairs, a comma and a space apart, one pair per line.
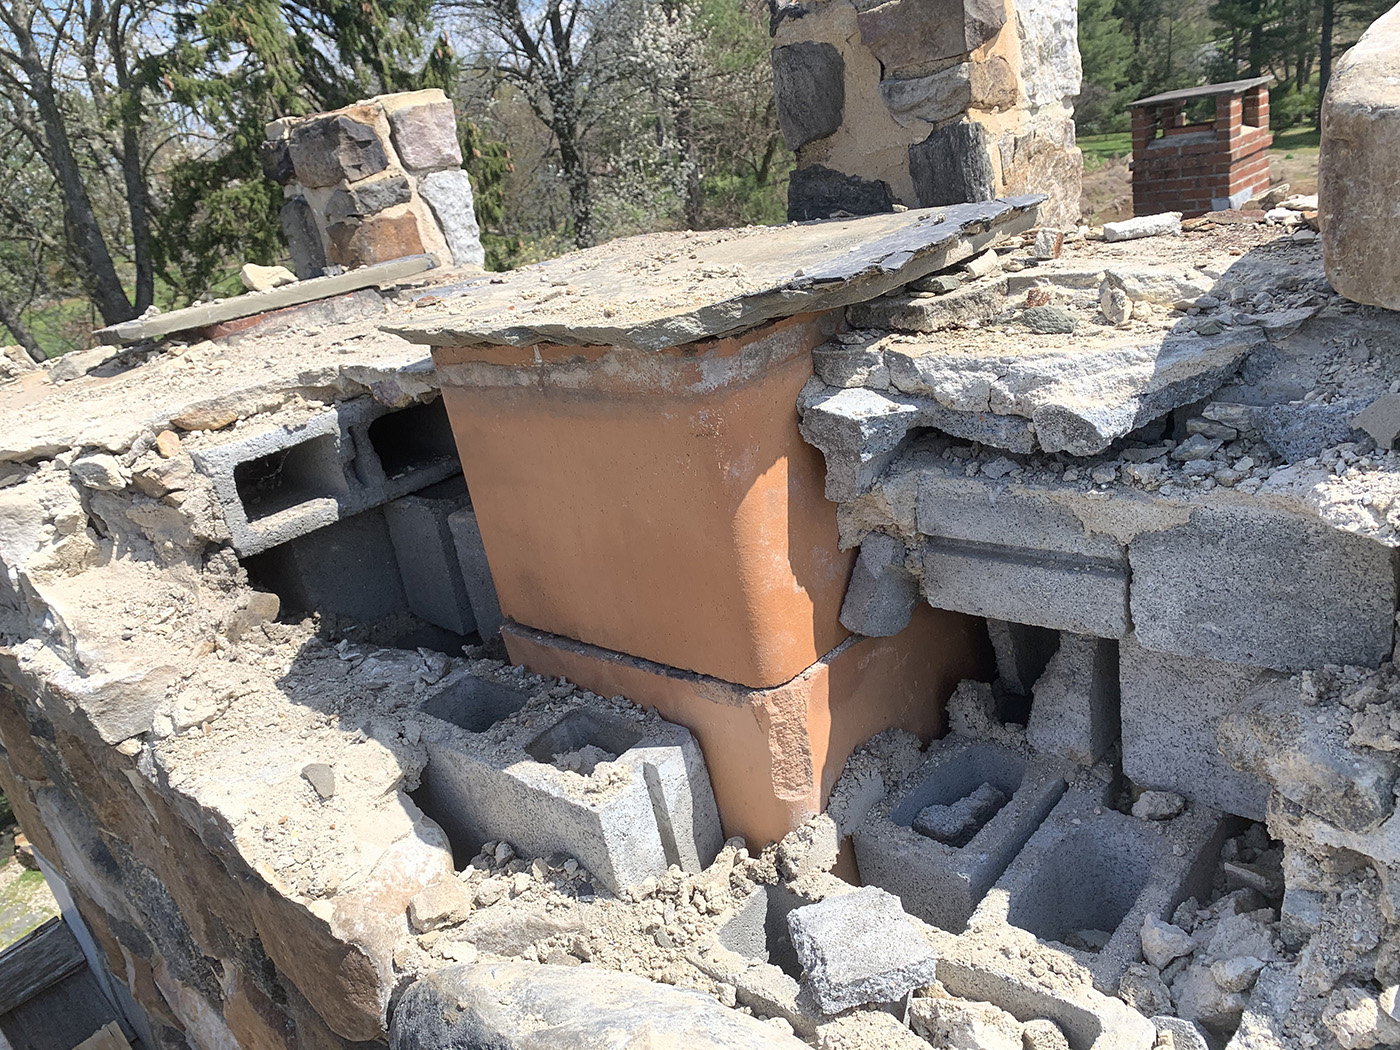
928, 102
372, 182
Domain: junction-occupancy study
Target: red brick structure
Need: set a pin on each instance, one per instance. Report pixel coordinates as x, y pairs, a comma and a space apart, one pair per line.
1204, 166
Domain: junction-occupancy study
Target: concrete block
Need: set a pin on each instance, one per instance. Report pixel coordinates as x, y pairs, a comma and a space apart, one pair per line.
942, 882
882, 593
858, 431
1261, 587
753, 951
476, 572
346, 567
449, 194
1360, 150
1090, 876
276, 482
1075, 711
1022, 652
1091, 1020
859, 948
624, 792
1063, 592
427, 556
1171, 707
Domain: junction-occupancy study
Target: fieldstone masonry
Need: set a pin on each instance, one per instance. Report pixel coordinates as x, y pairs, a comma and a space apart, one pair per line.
927, 102
375, 181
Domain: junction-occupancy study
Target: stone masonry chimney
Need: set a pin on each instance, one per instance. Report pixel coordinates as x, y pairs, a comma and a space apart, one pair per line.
928, 102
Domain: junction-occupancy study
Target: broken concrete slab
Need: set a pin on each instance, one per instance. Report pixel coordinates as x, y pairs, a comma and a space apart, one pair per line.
858, 948
1080, 397
1360, 147
1166, 224
942, 882
380, 275
725, 280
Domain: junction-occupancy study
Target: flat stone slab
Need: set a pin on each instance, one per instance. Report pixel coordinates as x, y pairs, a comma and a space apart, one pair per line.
239, 306
661, 290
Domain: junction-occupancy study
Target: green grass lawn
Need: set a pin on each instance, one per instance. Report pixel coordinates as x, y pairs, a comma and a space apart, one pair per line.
1298, 139
1100, 149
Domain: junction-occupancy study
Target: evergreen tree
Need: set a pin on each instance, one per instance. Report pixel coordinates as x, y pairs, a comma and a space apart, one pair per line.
1106, 49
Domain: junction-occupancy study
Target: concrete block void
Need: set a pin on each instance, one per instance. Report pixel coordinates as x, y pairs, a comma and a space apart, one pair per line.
1090, 876
474, 704
290, 476
944, 836
412, 439
579, 741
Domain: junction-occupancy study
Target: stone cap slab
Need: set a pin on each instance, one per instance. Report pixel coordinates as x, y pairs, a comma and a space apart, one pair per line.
662, 290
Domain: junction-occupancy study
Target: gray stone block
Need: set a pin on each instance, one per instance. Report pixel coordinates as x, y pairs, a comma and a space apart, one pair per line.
1090, 876
367, 197
334, 148
1022, 651
476, 572
953, 165
809, 84
276, 483
303, 237
858, 431
449, 194
543, 791
935, 98
860, 948
818, 192
939, 882
1171, 709
1266, 588
1075, 712
347, 568
882, 593
427, 555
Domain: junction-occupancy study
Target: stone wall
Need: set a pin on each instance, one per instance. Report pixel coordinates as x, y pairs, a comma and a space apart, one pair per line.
372, 182
928, 102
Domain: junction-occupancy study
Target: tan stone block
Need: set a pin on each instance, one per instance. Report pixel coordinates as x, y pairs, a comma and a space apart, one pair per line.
25, 758
1356, 168
389, 235
252, 1017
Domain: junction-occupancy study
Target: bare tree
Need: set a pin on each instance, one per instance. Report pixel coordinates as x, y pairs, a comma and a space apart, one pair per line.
547, 55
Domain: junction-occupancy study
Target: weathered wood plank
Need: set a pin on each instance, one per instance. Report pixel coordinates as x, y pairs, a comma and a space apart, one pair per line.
35, 961
375, 276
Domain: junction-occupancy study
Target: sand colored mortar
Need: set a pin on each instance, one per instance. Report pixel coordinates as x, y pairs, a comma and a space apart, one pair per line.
659, 504
774, 754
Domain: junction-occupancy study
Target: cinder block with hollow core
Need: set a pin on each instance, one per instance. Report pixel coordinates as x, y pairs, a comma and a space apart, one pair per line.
942, 881
624, 791
1090, 876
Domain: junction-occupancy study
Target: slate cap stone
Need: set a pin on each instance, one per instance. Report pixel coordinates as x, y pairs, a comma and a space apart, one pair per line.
860, 948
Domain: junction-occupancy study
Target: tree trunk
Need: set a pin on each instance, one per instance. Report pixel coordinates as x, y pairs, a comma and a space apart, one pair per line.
87, 249
9, 317
1256, 38
1324, 56
576, 178
137, 199
686, 147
